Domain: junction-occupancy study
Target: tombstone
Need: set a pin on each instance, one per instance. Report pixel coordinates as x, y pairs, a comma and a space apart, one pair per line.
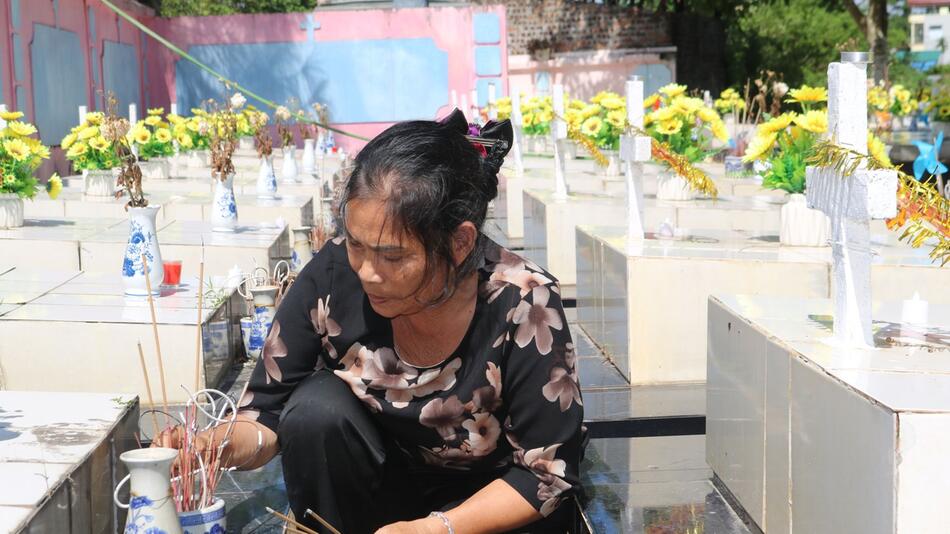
851, 201
559, 136
634, 151
516, 123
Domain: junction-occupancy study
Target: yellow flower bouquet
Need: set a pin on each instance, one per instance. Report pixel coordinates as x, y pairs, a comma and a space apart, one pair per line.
86, 147
152, 136
684, 123
602, 120
20, 155
191, 133
537, 113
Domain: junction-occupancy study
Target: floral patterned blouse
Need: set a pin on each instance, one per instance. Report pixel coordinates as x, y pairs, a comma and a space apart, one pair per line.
507, 399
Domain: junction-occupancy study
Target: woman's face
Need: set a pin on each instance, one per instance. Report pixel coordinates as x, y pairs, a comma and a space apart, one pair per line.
391, 266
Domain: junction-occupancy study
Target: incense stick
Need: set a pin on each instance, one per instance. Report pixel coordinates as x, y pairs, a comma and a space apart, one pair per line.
291, 521
322, 521
158, 346
148, 389
201, 280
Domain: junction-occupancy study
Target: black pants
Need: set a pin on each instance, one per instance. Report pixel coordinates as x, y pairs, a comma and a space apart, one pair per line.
337, 462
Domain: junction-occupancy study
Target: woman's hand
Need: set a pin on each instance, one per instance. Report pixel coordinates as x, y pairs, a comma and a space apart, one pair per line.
428, 525
250, 445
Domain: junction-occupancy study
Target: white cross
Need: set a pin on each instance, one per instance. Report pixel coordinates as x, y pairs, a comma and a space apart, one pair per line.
851, 201
83, 110
559, 135
634, 150
133, 114
174, 108
516, 123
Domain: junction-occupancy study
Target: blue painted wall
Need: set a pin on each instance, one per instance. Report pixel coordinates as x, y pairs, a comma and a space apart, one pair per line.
59, 81
120, 73
362, 81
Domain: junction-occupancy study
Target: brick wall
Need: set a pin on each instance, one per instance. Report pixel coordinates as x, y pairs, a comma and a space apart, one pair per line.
572, 25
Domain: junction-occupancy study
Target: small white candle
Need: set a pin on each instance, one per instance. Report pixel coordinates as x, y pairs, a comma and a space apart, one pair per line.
915, 311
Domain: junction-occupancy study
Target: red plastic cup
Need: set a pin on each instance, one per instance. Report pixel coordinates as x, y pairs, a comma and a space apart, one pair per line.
172, 272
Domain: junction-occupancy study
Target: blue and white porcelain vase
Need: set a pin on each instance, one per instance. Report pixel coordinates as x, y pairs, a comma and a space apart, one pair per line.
207, 520
143, 240
288, 171
265, 308
309, 159
151, 506
302, 252
266, 180
224, 215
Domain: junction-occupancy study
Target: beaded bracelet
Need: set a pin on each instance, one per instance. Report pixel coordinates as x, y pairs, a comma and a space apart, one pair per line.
445, 521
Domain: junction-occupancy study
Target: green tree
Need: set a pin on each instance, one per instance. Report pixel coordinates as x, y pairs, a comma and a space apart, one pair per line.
179, 8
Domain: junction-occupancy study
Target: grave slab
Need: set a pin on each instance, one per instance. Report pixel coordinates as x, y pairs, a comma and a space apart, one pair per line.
645, 306
51, 243
197, 206
810, 435
59, 457
550, 222
83, 334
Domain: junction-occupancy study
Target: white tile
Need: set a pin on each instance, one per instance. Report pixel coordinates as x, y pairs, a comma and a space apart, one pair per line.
923, 484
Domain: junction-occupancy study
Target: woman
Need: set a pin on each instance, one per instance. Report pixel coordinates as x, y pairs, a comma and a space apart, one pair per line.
418, 378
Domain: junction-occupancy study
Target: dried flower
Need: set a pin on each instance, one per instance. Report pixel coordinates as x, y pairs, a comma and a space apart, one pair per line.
779, 89
282, 113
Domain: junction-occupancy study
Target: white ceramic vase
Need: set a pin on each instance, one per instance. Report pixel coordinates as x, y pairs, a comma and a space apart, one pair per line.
151, 506
288, 170
803, 226
246, 143
613, 168
155, 169
11, 210
671, 186
99, 183
207, 520
143, 240
302, 252
266, 180
309, 159
265, 308
224, 215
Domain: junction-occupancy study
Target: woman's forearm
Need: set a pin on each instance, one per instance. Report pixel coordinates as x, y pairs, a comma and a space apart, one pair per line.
251, 445
495, 508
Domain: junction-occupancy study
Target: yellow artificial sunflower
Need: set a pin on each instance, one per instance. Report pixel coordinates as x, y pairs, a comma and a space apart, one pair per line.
68, 141
141, 136
647, 120
777, 124
669, 127
21, 129
651, 101
163, 135
175, 118
77, 150
95, 117
815, 121
156, 111
707, 114
808, 95
546, 115
760, 144
16, 149
591, 110
9, 179
591, 126
673, 90
88, 132
719, 130
878, 151
598, 97
54, 186
686, 105
153, 120
10, 115
617, 118
37, 148
576, 104
99, 143
184, 140
193, 125
612, 102
664, 114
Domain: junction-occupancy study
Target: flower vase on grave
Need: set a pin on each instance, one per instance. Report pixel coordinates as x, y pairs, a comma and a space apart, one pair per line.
288, 170
309, 159
224, 216
11, 210
151, 506
99, 183
266, 180
302, 252
143, 240
246, 143
803, 226
252, 337
154, 169
265, 308
207, 520
671, 186
613, 168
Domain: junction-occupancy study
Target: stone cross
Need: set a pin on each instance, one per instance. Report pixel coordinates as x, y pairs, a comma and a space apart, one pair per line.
174, 108
492, 109
83, 110
133, 114
634, 150
517, 121
559, 136
851, 201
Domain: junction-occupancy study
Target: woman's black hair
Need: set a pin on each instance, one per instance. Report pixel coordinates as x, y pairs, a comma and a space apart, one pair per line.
432, 179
